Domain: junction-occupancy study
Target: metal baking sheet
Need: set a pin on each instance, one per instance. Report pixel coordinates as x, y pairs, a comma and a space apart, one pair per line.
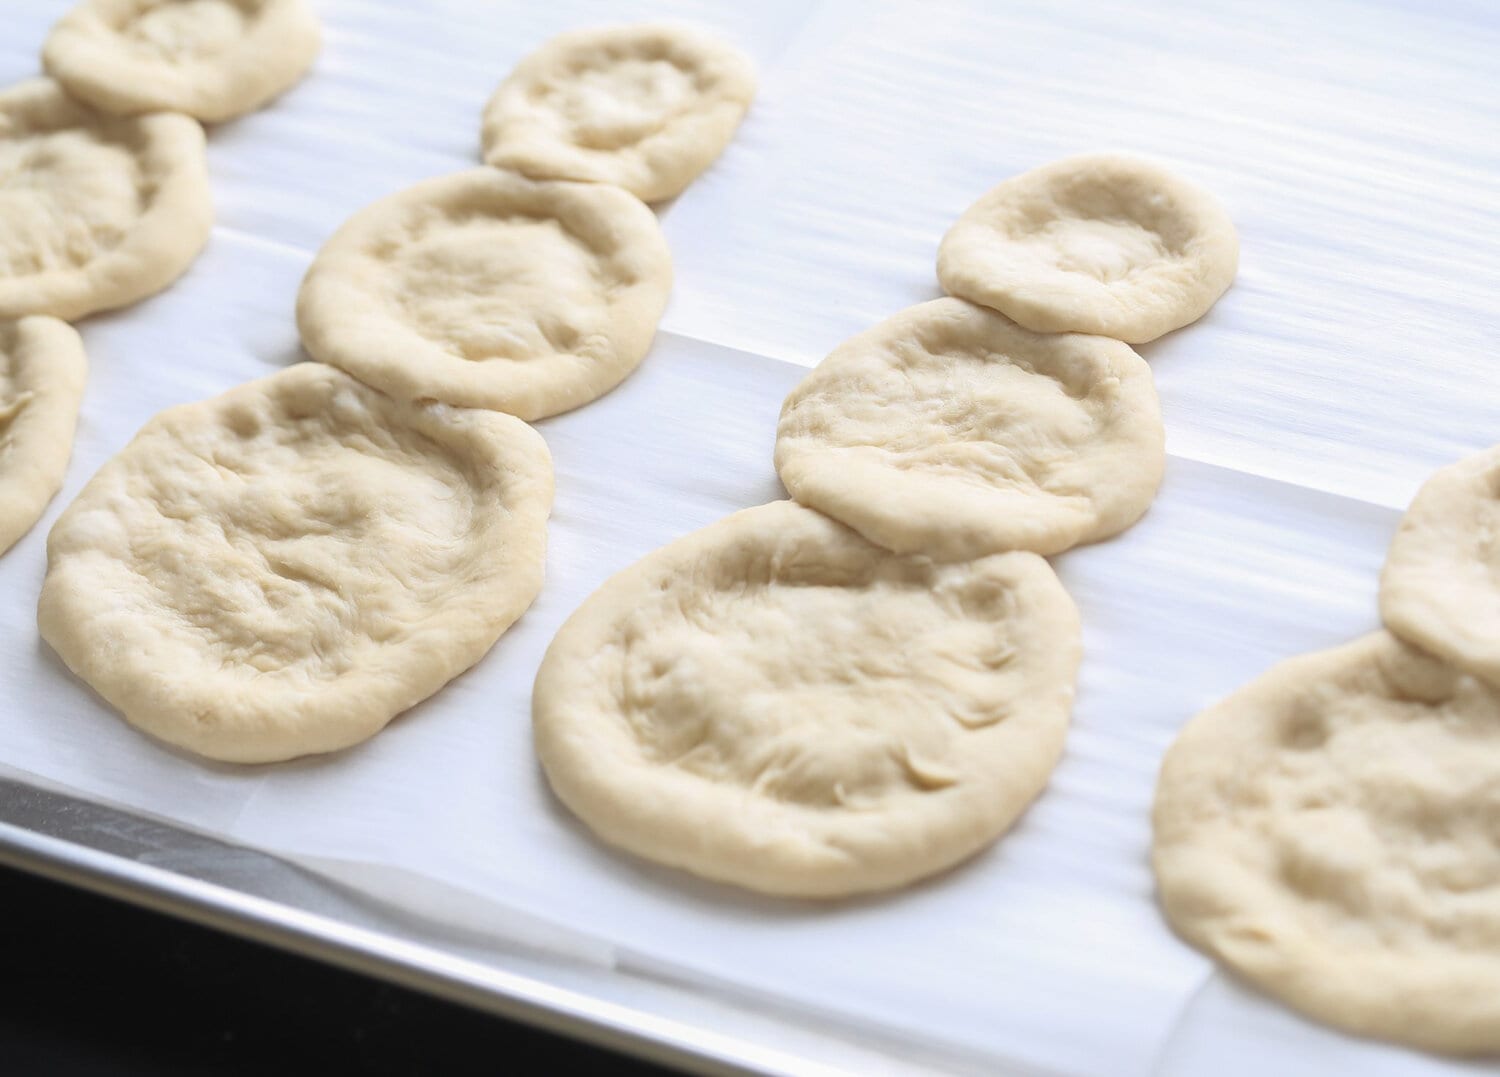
1358, 149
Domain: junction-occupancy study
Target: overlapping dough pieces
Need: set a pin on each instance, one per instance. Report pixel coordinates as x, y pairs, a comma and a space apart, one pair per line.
1102, 243
777, 703
96, 211
213, 59
645, 107
282, 569
486, 289
1329, 832
1440, 588
949, 430
42, 374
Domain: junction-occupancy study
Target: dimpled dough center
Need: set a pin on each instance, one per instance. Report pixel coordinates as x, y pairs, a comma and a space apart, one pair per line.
179, 28
1108, 250
617, 104
777, 703
519, 288
789, 724
65, 197
277, 602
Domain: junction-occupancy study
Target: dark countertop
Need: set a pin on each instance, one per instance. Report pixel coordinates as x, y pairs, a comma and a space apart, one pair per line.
93, 986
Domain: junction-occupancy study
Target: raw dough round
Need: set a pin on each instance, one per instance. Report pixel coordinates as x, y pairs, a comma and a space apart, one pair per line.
1330, 832
774, 702
96, 211
1102, 244
42, 373
213, 59
949, 430
1440, 588
644, 107
485, 289
284, 568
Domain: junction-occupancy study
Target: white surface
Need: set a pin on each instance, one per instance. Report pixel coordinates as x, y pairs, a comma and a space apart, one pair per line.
1356, 146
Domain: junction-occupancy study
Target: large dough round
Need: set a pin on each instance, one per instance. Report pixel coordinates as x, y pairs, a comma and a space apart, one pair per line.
951, 431
95, 211
484, 289
42, 374
213, 59
1440, 587
1332, 832
644, 107
777, 703
1101, 243
284, 568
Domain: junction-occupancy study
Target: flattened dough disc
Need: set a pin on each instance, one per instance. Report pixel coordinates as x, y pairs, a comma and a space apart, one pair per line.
213, 59
1440, 588
96, 211
645, 107
488, 290
951, 431
1332, 833
775, 702
1102, 243
284, 568
42, 374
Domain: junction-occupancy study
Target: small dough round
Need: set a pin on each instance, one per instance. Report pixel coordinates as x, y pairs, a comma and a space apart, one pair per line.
484, 289
1440, 588
951, 431
1102, 243
645, 107
1330, 833
282, 569
775, 702
96, 211
213, 59
42, 374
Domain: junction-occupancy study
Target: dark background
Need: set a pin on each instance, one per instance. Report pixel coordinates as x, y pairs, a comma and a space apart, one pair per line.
89, 985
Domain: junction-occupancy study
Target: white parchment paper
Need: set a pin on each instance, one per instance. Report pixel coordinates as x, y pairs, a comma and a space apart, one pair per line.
1358, 149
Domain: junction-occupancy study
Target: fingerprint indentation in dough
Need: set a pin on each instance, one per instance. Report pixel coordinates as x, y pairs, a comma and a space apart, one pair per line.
496, 288
182, 28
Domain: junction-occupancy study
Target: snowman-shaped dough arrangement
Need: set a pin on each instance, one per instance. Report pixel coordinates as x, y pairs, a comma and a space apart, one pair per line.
868, 684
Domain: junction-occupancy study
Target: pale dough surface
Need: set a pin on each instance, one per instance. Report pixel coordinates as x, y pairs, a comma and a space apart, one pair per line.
645, 107
213, 59
42, 375
949, 430
282, 569
1102, 243
1329, 832
95, 211
774, 702
485, 289
1440, 588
